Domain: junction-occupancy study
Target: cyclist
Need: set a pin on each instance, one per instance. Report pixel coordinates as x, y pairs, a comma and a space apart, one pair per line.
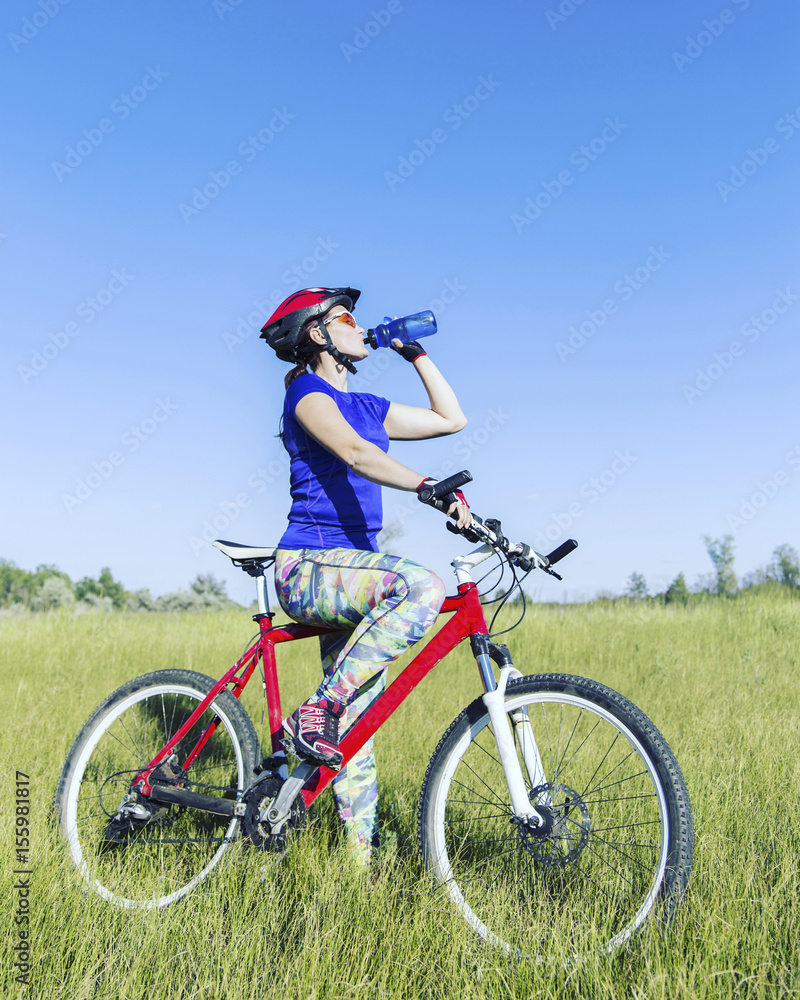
328, 569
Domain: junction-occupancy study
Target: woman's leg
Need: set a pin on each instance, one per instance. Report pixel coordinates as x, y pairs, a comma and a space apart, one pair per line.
386, 604
355, 788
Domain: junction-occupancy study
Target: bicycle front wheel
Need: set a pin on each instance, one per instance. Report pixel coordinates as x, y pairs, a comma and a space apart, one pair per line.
142, 864
616, 843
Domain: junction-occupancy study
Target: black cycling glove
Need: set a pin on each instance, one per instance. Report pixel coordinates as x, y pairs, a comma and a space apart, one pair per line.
410, 351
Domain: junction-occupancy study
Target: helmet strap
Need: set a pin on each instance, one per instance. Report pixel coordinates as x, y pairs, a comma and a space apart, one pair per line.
335, 353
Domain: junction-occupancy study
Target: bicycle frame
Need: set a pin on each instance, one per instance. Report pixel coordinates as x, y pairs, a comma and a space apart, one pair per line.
468, 621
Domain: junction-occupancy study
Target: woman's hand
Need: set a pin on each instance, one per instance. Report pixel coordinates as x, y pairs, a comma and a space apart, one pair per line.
410, 351
461, 509
458, 509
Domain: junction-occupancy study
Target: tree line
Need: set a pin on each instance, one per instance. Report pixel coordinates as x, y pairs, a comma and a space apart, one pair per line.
783, 570
46, 588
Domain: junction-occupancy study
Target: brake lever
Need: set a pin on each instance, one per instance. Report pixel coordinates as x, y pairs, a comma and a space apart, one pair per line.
468, 533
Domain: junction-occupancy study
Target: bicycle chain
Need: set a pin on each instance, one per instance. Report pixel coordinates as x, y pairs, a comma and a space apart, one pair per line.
180, 782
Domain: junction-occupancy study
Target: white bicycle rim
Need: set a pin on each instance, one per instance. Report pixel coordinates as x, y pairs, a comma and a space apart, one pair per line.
74, 787
443, 868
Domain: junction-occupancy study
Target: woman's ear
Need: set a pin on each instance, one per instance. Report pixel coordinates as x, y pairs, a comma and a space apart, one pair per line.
316, 334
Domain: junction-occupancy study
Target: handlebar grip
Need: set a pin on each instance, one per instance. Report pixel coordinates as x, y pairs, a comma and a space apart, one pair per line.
445, 486
563, 550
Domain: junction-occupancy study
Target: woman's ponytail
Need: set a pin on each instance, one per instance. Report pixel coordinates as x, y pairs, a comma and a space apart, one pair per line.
299, 369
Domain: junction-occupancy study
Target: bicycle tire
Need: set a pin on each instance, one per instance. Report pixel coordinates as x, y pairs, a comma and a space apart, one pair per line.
620, 846
160, 862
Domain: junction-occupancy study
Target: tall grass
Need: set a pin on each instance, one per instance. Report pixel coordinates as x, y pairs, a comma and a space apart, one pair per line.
720, 680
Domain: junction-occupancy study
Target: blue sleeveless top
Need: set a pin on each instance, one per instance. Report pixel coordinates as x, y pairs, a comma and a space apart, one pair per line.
332, 506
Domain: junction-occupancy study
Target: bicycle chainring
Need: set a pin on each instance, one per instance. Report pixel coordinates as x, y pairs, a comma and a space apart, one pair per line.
256, 799
564, 834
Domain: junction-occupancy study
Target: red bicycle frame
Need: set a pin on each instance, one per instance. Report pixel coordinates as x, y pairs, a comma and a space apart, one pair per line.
468, 620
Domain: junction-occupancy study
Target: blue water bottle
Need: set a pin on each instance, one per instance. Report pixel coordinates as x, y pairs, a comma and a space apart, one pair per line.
405, 328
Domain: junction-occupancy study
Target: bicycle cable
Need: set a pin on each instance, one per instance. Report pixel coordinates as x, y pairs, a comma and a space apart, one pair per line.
517, 584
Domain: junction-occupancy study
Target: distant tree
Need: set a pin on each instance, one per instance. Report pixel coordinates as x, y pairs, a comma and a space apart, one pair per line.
105, 585
207, 585
677, 592
720, 552
141, 600
112, 589
94, 602
785, 566
180, 600
636, 587
86, 586
54, 593
15, 584
207, 594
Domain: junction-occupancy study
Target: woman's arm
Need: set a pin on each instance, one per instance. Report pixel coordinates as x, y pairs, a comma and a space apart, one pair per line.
320, 417
413, 423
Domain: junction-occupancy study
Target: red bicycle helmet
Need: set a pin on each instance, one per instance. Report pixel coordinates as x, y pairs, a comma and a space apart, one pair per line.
283, 331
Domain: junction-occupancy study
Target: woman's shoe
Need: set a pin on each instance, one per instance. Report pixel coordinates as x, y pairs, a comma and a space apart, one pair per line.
314, 727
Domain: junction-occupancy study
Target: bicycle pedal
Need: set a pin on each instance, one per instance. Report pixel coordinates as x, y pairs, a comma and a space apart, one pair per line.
289, 747
269, 764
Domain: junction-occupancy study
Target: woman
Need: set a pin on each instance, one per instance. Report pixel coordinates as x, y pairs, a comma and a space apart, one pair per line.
328, 569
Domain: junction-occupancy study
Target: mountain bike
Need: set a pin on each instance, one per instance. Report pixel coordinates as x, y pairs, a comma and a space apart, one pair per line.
553, 813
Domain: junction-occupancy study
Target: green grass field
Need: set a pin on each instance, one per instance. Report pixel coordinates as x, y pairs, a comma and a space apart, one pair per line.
720, 680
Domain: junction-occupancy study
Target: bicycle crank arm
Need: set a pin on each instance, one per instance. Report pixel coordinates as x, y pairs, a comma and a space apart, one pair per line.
277, 812
172, 796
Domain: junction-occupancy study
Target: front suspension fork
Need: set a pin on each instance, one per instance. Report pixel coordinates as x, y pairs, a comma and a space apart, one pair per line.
512, 731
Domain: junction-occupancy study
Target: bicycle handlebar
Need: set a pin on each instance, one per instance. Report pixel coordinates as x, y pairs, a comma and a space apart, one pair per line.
442, 494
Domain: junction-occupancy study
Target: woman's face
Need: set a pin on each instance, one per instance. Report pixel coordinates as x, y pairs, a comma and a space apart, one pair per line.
345, 332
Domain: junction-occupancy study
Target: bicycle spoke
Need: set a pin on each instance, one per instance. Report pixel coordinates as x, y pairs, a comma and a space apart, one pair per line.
602, 761
560, 759
611, 784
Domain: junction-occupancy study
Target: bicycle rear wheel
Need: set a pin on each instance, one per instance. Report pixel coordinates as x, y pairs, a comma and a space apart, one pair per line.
147, 864
616, 846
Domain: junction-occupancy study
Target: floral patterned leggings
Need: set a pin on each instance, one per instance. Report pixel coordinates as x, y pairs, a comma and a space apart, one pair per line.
381, 605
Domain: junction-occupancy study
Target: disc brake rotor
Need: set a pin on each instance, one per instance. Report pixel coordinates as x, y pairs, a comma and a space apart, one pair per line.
563, 835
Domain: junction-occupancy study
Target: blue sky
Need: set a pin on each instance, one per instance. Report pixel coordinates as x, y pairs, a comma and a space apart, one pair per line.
172, 169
